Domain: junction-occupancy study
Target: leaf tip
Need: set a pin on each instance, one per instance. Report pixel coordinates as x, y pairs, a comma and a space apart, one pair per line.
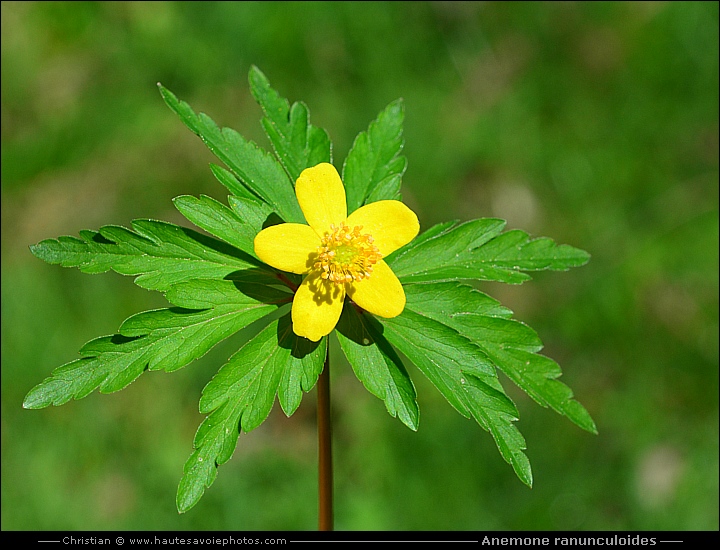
585, 257
181, 200
167, 95
34, 400
257, 78
27, 404
523, 470
399, 103
182, 506
47, 251
188, 496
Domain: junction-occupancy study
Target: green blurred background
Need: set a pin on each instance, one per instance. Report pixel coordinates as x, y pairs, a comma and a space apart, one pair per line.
595, 124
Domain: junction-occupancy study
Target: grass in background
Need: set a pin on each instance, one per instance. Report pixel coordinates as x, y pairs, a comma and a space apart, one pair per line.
595, 124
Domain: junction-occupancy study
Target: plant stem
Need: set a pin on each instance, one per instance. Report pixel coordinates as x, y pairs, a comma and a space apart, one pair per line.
287, 281
325, 473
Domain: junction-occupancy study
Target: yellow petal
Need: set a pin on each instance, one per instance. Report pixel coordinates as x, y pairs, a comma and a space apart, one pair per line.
321, 195
317, 307
391, 224
381, 294
288, 247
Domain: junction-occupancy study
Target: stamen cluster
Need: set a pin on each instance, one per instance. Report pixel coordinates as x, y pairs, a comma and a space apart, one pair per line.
346, 255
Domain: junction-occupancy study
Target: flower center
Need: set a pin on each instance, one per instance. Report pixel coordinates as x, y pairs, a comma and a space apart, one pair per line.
346, 255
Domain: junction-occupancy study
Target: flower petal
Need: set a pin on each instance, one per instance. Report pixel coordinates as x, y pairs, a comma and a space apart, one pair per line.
288, 247
317, 307
391, 224
321, 195
381, 294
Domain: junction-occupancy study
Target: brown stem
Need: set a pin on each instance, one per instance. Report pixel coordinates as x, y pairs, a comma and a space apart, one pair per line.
287, 281
325, 473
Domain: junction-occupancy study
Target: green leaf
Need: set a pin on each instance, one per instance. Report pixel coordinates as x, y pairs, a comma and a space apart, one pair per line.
237, 226
377, 365
164, 339
440, 352
466, 378
160, 253
257, 169
511, 345
233, 184
452, 299
486, 404
241, 395
297, 143
387, 189
243, 291
434, 231
373, 169
445, 250
515, 250
477, 250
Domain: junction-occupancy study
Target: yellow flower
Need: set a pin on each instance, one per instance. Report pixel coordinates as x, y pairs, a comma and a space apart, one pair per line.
340, 254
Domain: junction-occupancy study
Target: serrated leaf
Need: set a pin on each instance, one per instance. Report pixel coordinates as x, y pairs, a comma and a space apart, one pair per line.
297, 143
440, 352
387, 189
257, 169
241, 395
516, 250
377, 365
244, 288
159, 253
233, 184
200, 469
434, 231
452, 299
536, 374
511, 345
164, 339
373, 168
477, 250
510, 442
465, 377
237, 226
447, 249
